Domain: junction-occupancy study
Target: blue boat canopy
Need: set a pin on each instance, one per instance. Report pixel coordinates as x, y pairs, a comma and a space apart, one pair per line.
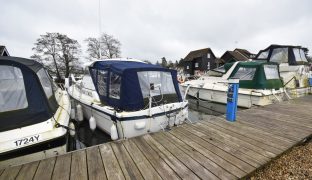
127, 85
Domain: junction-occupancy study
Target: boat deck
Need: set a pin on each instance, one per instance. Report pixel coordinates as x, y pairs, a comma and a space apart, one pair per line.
210, 149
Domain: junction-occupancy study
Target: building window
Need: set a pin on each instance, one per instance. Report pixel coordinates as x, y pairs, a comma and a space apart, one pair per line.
208, 65
208, 55
187, 67
196, 65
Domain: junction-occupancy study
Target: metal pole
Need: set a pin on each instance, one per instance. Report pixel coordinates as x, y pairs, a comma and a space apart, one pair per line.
100, 30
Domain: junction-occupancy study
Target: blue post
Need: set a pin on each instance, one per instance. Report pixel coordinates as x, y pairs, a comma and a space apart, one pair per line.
232, 94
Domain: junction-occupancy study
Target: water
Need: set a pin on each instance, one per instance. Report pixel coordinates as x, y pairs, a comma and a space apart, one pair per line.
198, 110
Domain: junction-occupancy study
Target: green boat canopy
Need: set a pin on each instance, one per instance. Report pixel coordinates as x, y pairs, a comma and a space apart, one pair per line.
256, 74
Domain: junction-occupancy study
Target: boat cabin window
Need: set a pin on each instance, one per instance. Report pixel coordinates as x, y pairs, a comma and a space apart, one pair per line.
271, 71
299, 55
114, 86
156, 83
245, 73
279, 55
45, 82
12, 89
102, 82
263, 55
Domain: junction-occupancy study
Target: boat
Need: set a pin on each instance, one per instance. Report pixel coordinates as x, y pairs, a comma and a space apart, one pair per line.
259, 84
127, 97
293, 65
34, 113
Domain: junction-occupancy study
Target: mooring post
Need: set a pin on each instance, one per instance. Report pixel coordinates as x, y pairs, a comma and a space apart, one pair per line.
232, 96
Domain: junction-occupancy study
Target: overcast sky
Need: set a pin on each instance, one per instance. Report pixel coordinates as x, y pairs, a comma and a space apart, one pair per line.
151, 29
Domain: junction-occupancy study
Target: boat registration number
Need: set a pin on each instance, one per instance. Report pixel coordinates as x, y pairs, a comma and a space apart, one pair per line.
27, 140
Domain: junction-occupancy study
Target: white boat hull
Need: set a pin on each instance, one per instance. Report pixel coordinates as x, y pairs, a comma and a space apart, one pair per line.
31, 143
130, 124
244, 100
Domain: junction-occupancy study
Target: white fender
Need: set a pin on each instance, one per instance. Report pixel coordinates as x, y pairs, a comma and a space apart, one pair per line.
140, 125
72, 113
79, 113
72, 131
113, 131
92, 123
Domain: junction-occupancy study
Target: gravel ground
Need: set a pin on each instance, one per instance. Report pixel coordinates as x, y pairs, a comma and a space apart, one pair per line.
295, 164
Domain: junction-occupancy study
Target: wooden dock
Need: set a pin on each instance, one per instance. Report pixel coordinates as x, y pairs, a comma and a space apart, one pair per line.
210, 149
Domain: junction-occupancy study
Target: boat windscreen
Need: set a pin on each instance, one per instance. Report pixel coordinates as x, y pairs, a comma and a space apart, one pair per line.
245, 73
271, 71
156, 83
12, 89
299, 55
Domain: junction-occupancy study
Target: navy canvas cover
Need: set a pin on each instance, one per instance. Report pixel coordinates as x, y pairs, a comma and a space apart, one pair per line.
39, 108
131, 97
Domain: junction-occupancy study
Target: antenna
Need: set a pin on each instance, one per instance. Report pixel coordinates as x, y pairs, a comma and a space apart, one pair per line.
100, 31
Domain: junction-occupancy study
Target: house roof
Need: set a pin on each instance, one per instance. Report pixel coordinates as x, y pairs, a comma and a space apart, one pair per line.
244, 52
235, 55
197, 53
4, 51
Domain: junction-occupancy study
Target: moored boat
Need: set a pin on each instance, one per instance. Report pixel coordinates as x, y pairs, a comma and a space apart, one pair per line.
34, 113
127, 97
259, 84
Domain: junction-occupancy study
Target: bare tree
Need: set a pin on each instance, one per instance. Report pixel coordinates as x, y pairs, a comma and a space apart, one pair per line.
110, 47
57, 52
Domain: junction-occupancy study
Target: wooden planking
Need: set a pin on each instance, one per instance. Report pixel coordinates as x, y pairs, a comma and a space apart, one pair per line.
45, 169
28, 171
10, 173
78, 170
213, 153
231, 145
272, 128
159, 164
95, 164
127, 166
112, 169
243, 130
269, 121
266, 149
204, 161
230, 150
170, 159
187, 160
146, 169
62, 167
234, 141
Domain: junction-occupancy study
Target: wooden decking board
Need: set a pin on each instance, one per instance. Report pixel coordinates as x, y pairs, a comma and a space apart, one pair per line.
10, 173
273, 128
242, 119
229, 149
209, 149
188, 161
62, 167
112, 168
28, 171
79, 167
126, 164
276, 122
146, 169
204, 161
170, 159
283, 117
95, 165
236, 142
159, 164
244, 130
269, 150
237, 166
